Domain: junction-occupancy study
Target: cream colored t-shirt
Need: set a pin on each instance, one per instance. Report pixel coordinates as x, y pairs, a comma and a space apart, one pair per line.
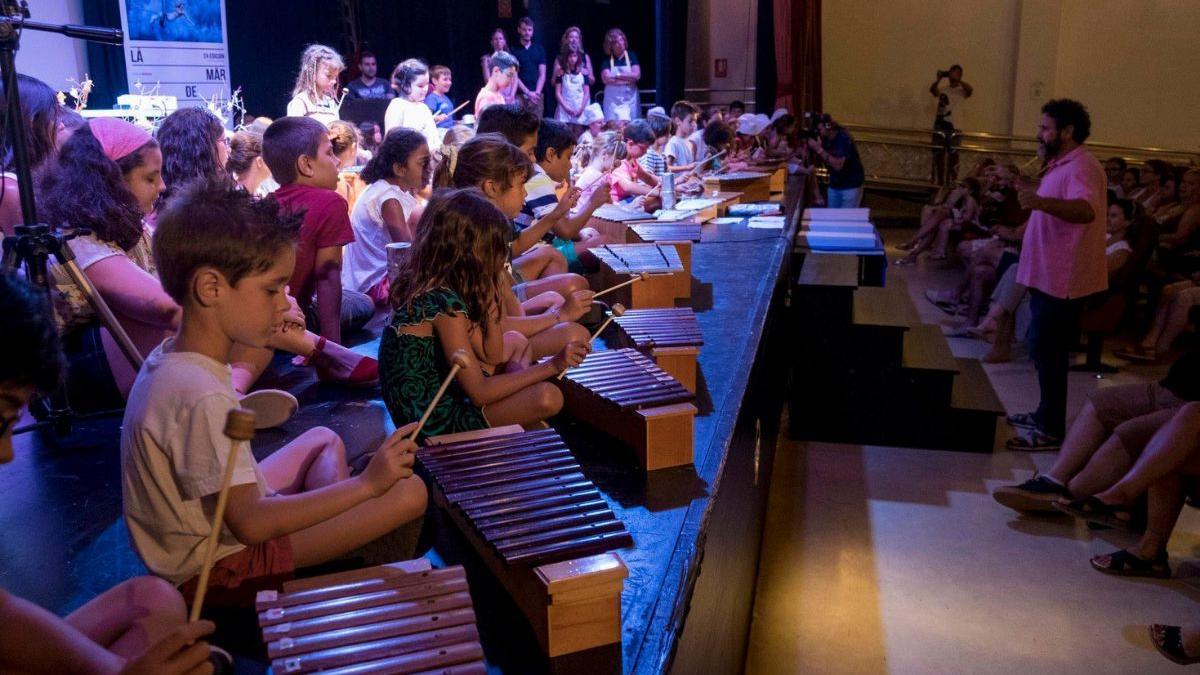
173, 453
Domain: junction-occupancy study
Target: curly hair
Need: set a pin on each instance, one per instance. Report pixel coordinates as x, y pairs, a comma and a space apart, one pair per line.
30, 349
86, 189
314, 58
460, 243
211, 223
485, 157
188, 138
1070, 113
397, 147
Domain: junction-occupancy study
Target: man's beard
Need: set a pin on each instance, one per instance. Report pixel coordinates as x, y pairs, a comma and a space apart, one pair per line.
1048, 151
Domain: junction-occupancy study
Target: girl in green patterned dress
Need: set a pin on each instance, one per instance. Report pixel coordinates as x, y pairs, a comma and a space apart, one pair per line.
449, 287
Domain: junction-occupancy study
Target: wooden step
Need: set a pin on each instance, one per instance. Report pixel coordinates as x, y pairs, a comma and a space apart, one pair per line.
925, 348
884, 306
840, 271
973, 389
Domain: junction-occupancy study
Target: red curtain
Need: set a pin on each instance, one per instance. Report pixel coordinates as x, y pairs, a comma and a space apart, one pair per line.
798, 54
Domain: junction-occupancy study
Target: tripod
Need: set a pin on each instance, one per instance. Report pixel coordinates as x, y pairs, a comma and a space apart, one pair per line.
32, 244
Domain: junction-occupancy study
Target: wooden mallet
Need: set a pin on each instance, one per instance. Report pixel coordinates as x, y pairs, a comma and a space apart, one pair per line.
644, 276
617, 310
460, 107
239, 426
458, 361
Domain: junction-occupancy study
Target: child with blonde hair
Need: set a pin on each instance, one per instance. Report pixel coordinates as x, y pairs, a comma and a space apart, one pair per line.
315, 93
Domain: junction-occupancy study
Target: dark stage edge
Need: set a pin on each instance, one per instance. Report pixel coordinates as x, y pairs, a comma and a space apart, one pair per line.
697, 530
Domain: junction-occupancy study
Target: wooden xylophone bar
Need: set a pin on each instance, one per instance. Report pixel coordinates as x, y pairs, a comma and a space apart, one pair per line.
399, 618
622, 392
540, 526
681, 235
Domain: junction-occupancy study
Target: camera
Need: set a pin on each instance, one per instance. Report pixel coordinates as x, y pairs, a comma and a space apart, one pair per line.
810, 126
943, 73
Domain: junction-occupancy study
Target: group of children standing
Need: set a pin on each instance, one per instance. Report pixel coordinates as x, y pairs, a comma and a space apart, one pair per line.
211, 279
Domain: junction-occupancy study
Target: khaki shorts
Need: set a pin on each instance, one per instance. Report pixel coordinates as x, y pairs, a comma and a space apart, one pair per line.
1134, 412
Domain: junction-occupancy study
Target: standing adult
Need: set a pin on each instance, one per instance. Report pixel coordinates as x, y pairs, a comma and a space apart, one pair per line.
367, 85
950, 90
499, 43
531, 69
620, 75
573, 39
846, 176
1062, 261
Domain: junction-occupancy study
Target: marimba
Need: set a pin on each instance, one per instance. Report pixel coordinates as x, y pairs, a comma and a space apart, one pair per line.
669, 336
754, 186
540, 526
626, 395
398, 618
668, 280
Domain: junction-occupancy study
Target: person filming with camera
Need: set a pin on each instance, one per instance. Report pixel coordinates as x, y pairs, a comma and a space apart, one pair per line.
835, 147
950, 90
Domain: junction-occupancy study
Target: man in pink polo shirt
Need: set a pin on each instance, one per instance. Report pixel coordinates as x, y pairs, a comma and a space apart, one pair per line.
1062, 261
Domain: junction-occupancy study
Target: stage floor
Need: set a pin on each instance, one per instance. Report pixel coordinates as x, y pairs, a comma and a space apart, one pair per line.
60, 501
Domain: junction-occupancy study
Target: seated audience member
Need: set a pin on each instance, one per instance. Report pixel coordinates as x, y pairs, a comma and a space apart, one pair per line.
225, 258
1180, 222
449, 297
438, 99
343, 136
367, 85
654, 161
1171, 319
681, 156
1114, 170
1156, 186
301, 158
502, 75
316, 85
193, 145
629, 179
1117, 249
569, 234
246, 164
411, 78
542, 307
139, 625
371, 136
395, 175
1164, 473
1130, 178
960, 208
40, 108
1110, 432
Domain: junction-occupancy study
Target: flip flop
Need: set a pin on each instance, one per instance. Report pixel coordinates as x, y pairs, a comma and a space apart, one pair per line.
1095, 511
1168, 640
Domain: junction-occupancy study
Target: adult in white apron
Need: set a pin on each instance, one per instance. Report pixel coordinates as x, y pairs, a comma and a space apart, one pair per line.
620, 75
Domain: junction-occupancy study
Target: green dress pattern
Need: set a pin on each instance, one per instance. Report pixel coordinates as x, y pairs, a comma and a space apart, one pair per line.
412, 367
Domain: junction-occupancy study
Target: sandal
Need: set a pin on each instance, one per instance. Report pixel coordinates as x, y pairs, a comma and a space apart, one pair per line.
1125, 564
1093, 510
1022, 420
1034, 440
1168, 640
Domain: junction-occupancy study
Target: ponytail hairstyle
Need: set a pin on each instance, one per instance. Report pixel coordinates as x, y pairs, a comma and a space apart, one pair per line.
607, 144
86, 189
314, 58
244, 148
484, 157
342, 135
460, 243
399, 144
188, 138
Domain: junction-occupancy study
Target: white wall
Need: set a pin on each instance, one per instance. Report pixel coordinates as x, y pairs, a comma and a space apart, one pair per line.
50, 57
722, 29
1134, 64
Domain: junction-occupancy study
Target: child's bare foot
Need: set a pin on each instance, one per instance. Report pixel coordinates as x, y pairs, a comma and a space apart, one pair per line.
336, 363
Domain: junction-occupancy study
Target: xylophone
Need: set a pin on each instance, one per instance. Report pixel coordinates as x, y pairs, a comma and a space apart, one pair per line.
668, 280
399, 618
681, 234
540, 526
612, 220
623, 393
754, 186
670, 336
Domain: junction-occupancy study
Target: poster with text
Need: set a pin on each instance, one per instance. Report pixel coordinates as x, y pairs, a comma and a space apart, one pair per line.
177, 48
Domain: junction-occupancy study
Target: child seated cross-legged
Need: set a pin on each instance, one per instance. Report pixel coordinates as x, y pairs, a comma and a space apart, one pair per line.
568, 234
226, 259
138, 626
544, 310
449, 287
300, 156
397, 172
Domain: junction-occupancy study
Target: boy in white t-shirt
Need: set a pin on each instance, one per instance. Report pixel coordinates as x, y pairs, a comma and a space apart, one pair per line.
225, 258
680, 154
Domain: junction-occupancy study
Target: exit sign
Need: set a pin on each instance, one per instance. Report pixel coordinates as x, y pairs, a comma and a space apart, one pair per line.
721, 68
